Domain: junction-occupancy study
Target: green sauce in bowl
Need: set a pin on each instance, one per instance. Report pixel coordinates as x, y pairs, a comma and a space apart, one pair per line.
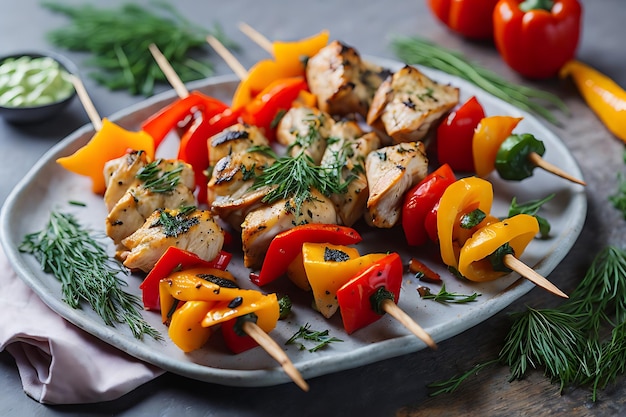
33, 81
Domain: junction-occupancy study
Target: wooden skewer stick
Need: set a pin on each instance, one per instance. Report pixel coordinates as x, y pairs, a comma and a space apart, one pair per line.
397, 313
536, 159
231, 61
256, 37
272, 348
530, 274
169, 72
92, 113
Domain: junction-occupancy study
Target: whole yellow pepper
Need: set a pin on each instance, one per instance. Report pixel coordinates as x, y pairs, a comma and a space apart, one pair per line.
603, 95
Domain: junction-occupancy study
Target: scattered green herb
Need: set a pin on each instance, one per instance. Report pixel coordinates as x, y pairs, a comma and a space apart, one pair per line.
619, 198
531, 208
570, 341
178, 224
414, 50
284, 304
87, 273
159, 180
321, 338
443, 296
118, 39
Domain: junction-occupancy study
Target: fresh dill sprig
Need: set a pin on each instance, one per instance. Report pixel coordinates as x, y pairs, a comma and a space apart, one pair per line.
87, 273
322, 338
531, 208
118, 40
443, 296
296, 177
570, 341
158, 180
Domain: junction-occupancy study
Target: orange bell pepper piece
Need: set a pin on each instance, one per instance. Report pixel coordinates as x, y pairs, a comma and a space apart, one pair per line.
488, 137
110, 142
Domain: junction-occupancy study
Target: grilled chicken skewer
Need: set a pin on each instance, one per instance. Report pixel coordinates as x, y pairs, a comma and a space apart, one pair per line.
253, 330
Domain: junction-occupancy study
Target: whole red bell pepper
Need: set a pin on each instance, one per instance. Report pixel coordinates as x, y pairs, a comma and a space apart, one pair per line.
420, 200
360, 298
194, 147
455, 134
470, 18
537, 37
265, 109
175, 258
286, 246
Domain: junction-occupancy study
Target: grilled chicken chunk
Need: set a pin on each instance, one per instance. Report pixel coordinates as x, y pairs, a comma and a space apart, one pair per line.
348, 146
120, 174
229, 189
304, 128
234, 139
391, 171
163, 184
342, 82
195, 231
264, 223
408, 103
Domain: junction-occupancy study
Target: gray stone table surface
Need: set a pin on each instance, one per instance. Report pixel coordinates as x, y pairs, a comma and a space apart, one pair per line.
391, 387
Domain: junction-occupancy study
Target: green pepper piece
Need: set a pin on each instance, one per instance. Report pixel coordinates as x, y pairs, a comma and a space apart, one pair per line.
512, 159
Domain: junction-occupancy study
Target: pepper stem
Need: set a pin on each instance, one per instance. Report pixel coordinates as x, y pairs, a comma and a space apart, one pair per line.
529, 5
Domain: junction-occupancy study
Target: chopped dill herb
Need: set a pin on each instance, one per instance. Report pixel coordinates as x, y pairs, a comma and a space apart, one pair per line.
157, 180
443, 296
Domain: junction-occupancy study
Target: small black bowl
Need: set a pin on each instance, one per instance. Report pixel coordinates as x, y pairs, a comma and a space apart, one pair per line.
34, 114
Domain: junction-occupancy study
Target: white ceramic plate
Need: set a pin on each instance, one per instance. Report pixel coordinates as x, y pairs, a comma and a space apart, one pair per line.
48, 187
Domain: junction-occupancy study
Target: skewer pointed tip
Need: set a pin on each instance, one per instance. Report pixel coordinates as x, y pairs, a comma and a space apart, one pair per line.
396, 312
553, 169
530, 274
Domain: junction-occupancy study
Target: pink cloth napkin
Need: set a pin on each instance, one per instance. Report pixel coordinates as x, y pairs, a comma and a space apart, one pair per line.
59, 363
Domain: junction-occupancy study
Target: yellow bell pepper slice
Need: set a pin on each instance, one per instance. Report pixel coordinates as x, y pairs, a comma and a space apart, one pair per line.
518, 231
487, 139
292, 56
459, 198
110, 142
186, 330
603, 95
326, 276
186, 285
264, 306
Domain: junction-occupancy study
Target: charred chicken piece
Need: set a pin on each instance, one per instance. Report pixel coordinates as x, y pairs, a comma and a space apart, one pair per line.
234, 139
161, 184
304, 128
193, 230
348, 146
391, 171
342, 82
408, 104
264, 223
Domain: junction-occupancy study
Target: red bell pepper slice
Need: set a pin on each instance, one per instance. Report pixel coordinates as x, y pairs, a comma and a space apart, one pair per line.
235, 342
274, 99
175, 258
194, 148
455, 134
164, 121
537, 37
286, 246
357, 306
420, 200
